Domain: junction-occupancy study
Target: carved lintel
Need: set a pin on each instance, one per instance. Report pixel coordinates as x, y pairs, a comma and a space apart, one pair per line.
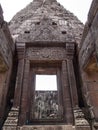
46, 53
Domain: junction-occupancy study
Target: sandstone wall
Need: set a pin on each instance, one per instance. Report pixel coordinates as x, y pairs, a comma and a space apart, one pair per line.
88, 60
6, 56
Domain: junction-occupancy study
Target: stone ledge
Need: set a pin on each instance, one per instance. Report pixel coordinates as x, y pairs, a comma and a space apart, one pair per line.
47, 127
83, 128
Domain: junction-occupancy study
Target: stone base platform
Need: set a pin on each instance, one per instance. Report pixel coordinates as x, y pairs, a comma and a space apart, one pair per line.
47, 127
53, 127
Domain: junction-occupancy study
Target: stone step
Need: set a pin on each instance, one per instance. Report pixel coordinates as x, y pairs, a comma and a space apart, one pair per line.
47, 127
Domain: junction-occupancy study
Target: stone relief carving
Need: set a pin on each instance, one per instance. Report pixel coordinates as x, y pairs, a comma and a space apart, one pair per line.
46, 105
51, 53
79, 118
46, 30
12, 119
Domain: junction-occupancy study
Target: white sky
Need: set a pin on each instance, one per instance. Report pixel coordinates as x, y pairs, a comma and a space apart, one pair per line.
79, 7
46, 82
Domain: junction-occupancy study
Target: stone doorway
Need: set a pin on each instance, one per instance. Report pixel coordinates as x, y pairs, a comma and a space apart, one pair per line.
46, 105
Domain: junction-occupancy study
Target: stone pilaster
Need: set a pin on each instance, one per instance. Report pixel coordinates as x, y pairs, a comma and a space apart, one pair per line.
19, 79
24, 97
72, 82
12, 119
66, 95
70, 48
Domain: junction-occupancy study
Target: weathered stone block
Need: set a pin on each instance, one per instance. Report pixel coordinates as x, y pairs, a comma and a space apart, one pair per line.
48, 127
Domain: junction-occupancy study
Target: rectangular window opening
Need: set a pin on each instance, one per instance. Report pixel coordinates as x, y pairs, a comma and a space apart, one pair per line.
46, 98
46, 83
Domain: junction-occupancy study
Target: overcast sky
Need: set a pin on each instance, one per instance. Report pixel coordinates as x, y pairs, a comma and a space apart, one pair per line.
79, 7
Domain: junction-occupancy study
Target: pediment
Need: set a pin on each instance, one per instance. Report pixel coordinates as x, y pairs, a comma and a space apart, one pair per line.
45, 30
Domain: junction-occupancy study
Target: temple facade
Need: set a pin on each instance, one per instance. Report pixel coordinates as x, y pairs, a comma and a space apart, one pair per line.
44, 39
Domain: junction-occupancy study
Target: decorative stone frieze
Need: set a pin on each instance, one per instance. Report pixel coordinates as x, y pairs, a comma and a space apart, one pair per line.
79, 118
80, 121
12, 120
46, 53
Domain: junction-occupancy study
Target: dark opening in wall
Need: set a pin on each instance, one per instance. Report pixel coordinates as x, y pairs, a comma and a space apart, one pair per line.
37, 23
64, 32
58, 4
26, 31
54, 23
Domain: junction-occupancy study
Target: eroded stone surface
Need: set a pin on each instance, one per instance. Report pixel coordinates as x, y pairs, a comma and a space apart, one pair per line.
88, 61
45, 21
6, 59
46, 33
46, 127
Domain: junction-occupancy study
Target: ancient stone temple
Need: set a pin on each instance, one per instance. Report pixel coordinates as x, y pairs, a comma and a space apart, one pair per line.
47, 40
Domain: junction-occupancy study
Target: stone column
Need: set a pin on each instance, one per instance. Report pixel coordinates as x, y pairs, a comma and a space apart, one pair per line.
59, 88
20, 71
70, 49
66, 95
72, 82
12, 119
25, 91
18, 86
